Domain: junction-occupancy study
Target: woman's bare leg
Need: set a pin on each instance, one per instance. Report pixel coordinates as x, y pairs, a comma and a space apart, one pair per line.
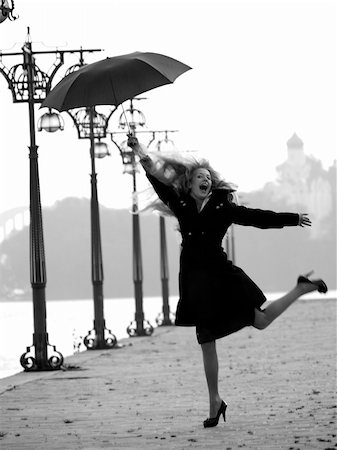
211, 367
277, 307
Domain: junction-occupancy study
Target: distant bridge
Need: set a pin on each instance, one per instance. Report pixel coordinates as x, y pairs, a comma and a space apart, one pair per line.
13, 220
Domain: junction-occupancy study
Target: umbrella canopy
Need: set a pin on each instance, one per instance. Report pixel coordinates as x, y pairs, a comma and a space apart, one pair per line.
111, 81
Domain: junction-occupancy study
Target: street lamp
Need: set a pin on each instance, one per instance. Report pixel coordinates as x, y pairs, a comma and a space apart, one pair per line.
51, 122
232, 244
29, 84
101, 149
6, 10
133, 118
165, 318
230, 239
136, 119
92, 125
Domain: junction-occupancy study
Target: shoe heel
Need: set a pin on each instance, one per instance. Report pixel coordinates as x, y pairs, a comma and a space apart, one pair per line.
224, 412
213, 421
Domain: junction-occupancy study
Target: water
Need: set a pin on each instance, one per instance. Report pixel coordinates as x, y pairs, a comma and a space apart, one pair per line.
68, 320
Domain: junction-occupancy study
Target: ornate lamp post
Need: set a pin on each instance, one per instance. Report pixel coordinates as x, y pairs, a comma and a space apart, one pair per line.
91, 125
6, 10
31, 85
230, 242
140, 326
230, 248
164, 318
137, 119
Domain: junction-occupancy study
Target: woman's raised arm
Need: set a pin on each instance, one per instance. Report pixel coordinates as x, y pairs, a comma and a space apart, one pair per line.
165, 192
138, 149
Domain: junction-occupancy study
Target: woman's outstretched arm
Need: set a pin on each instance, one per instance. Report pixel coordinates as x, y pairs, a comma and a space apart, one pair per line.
267, 219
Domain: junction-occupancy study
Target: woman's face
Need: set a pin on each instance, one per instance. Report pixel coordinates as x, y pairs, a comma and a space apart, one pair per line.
201, 183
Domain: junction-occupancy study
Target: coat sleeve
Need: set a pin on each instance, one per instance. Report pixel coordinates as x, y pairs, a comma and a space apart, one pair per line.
166, 193
261, 218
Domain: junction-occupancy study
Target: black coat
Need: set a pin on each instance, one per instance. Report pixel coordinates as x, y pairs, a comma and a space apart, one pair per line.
213, 292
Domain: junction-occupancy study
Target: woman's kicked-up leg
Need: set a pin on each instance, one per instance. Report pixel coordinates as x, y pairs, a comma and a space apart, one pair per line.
277, 307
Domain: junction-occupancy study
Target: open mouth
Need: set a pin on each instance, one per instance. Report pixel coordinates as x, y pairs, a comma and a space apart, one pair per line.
203, 187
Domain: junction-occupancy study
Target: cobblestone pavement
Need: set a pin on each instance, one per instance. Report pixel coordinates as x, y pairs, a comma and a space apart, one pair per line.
279, 384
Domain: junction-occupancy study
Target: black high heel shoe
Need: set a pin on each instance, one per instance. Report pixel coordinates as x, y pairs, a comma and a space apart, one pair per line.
321, 286
213, 421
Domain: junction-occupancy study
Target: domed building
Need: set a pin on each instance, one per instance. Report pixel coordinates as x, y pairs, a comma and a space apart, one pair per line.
302, 181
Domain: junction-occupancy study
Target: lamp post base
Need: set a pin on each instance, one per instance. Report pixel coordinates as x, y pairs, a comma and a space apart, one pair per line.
136, 329
93, 341
163, 320
32, 360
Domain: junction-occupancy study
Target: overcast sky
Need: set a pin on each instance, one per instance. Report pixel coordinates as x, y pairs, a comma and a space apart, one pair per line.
262, 70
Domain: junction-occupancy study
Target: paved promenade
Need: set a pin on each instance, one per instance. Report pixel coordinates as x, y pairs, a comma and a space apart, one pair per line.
151, 394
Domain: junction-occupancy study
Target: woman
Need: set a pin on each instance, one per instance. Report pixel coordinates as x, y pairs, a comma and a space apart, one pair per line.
215, 296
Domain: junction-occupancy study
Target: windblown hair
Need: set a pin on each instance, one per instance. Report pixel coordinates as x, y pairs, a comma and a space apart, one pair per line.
177, 171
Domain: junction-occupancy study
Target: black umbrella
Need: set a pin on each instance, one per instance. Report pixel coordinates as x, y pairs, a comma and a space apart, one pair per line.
111, 81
